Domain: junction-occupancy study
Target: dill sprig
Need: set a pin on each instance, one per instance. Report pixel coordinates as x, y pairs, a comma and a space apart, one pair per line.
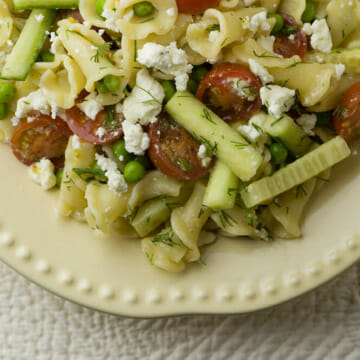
102, 51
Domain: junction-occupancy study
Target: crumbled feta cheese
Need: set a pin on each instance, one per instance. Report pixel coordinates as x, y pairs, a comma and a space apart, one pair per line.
116, 181
339, 71
291, 37
242, 88
260, 71
42, 173
320, 35
267, 42
101, 32
214, 35
90, 107
111, 19
75, 142
136, 141
167, 59
101, 132
35, 101
253, 133
39, 18
204, 156
170, 12
307, 122
258, 21
55, 43
277, 99
144, 103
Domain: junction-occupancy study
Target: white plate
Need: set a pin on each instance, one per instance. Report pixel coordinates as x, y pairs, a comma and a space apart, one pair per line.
112, 275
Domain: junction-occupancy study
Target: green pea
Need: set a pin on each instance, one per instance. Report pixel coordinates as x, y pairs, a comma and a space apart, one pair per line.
99, 7
143, 9
46, 56
111, 82
120, 151
3, 111
134, 171
309, 12
324, 118
279, 23
143, 160
192, 86
101, 87
59, 176
199, 72
279, 153
169, 89
7, 92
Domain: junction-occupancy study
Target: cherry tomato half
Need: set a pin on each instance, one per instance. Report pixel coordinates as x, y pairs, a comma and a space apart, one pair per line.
288, 46
88, 130
217, 90
347, 115
195, 7
42, 137
174, 151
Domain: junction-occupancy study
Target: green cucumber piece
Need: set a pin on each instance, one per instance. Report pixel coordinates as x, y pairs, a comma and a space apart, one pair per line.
45, 4
284, 130
150, 215
223, 141
221, 189
28, 46
296, 173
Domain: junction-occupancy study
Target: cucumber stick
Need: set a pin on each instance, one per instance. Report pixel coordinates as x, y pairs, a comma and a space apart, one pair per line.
286, 131
221, 189
296, 173
223, 141
27, 48
45, 4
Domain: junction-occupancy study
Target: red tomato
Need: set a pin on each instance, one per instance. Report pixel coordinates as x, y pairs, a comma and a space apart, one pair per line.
195, 7
217, 92
174, 151
86, 129
288, 48
42, 137
347, 115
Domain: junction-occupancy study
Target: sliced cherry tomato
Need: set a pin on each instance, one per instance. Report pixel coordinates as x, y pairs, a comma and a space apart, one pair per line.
174, 151
347, 115
195, 7
294, 45
88, 129
217, 90
42, 137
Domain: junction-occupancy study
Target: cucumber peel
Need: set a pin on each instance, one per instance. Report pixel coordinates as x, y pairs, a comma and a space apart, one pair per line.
45, 4
28, 46
296, 173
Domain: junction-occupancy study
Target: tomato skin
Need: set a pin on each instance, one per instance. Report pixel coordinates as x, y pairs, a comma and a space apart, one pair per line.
231, 106
85, 128
346, 118
169, 143
42, 137
195, 7
288, 48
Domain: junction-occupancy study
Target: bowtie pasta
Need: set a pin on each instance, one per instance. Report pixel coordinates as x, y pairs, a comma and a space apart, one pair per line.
174, 121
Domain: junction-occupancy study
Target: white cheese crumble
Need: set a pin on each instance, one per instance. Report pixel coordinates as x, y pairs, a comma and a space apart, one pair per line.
260, 71
277, 99
90, 107
35, 101
307, 122
242, 88
116, 180
55, 43
258, 21
42, 173
320, 35
253, 133
170, 12
339, 71
144, 103
291, 37
169, 60
39, 18
214, 35
75, 142
203, 156
111, 19
267, 42
136, 141
101, 132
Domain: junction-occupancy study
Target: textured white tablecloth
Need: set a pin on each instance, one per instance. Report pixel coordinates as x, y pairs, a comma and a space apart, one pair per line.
35, 325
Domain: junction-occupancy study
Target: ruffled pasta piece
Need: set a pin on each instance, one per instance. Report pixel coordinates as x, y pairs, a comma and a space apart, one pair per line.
90, 52
121, 18
294, 8
187, 221
353, 40
218, 29
154, 184
343, 17
270, 5
88, 12
103, 207
129, 63
303, 77
225, 5
6, 23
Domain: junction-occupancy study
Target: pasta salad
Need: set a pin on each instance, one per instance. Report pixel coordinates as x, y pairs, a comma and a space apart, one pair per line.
174, 121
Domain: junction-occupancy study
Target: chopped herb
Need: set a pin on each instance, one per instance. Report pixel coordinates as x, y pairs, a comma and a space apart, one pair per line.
339, 112
150, 258
263, 55
202, 262
276, 121
288, 30
322, 179
225, 218
147, 20
206, 115
209, 146
87, 174
102, 51
135, 50
133, 214
213, 27
188, 168
230, 191
110, 120
300, 191
166, 239
153, 98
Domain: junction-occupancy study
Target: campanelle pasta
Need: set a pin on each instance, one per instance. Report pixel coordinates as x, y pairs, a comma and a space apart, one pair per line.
97, 94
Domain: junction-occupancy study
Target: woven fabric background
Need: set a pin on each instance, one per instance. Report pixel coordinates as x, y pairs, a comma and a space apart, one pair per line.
35, 325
